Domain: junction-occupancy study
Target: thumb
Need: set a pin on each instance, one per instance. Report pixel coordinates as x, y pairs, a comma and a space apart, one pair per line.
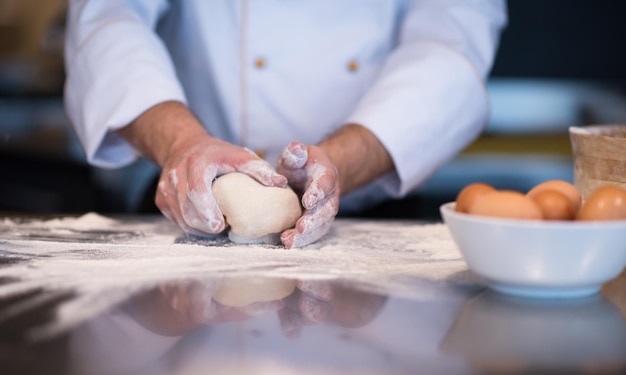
294, 156
263, 172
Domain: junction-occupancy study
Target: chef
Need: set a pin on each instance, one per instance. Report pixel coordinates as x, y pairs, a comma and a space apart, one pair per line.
351, 99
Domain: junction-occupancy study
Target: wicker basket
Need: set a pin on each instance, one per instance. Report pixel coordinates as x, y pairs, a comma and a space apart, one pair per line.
599, 156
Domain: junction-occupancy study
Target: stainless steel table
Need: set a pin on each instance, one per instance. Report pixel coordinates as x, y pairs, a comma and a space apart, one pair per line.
132, 295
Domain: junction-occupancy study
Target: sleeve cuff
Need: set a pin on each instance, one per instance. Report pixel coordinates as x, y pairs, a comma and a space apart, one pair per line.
138, 75
423, 112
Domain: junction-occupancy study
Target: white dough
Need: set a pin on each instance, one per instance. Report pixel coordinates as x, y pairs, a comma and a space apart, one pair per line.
244, 291
255, 213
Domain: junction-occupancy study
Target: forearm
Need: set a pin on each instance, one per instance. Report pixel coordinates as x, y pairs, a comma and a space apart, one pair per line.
358, 155
162, 128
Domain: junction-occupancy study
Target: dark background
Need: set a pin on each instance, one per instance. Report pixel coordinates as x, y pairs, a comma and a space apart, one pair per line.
42, 168
572, 39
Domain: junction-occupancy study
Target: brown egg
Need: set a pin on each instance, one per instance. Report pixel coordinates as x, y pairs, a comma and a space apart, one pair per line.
468, 195
554, 205
562, 186
506, 204
604, 203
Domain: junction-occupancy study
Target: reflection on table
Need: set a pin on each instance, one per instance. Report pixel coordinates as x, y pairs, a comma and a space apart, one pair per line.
284, 326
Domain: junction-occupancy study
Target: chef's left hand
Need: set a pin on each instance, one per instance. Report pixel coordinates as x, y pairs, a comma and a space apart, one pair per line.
312, 174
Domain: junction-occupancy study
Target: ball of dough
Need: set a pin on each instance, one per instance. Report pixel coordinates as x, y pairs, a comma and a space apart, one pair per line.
255, 213
243, 291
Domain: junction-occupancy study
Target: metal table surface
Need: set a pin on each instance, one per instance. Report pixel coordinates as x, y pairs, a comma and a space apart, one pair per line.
95, 295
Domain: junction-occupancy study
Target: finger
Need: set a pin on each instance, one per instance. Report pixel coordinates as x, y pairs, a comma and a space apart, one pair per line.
202, 308
192, 217
290, 323
263, 172
322, 183
160, 199
200, 208
294, 156
311, 226
318, 216
174, 295
313, 310
291, 239
167, 201
259, 308
321, 290
292, 163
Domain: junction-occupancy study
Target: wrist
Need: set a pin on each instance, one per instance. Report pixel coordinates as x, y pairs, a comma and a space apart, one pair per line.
358, 155
162, 130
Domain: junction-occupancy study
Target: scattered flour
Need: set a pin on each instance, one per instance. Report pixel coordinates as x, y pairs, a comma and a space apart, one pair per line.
88, 221
103, 261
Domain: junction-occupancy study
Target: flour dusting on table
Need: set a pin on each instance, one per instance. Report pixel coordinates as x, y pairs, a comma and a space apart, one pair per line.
93, 254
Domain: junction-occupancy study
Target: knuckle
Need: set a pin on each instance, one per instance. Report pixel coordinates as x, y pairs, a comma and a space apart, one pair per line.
194, 158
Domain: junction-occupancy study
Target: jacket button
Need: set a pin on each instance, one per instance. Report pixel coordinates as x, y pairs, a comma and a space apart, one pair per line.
353, 66
259, 63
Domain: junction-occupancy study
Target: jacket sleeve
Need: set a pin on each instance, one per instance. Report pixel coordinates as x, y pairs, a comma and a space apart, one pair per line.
429, 100
116, 68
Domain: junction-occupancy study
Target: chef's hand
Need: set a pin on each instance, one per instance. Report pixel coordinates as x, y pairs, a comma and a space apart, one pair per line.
190, 158
312, 175
184, 191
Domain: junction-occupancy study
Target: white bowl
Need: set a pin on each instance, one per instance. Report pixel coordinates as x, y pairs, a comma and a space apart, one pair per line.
531, 258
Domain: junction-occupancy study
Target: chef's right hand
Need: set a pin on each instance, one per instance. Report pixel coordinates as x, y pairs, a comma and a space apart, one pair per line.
184, 191
315, 178
318, 301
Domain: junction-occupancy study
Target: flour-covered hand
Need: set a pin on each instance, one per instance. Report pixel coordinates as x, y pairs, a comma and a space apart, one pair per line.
312, 174
184, 191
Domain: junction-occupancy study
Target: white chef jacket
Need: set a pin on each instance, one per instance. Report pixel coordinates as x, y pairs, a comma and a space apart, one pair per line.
263, 73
